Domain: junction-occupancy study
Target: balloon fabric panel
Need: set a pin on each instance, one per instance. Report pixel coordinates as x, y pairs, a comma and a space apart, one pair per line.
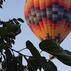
49, 19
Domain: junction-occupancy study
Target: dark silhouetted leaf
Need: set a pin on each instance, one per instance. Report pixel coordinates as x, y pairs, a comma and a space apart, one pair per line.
19, 57
19, 19
15, 21
18, 31
36, 63
32, 49
32, 64
49, 66
12, 41
65, 57
8, 31
11, 35
0, 6
54, 48
8, 54
52, 66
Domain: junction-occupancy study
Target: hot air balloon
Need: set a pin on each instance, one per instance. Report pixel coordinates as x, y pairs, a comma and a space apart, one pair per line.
49, 19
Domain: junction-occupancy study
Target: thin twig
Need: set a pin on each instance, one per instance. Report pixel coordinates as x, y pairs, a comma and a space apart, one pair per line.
40, 52
20, 53
22, 49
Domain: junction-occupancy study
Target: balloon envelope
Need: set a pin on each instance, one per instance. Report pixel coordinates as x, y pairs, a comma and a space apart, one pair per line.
49, 19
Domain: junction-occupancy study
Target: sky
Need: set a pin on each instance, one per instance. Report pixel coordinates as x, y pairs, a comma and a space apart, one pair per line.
15, 9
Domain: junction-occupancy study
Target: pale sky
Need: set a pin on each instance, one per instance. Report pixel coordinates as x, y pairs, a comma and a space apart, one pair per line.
15, 9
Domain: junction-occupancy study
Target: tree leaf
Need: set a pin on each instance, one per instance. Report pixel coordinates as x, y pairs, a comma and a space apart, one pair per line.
0, 6
32, 49
36, 63
49, 66
54, 48
33, 64
11, 35
65, 57
15, 21
19, 19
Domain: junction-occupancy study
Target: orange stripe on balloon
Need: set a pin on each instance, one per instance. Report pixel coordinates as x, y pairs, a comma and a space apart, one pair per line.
44, 22
67, 31
48, 2
63, 28
45, 25
49, 27
42, 28
42, 4
28, 7
36, 3
37, 30
54, 29
31, 4
53, 32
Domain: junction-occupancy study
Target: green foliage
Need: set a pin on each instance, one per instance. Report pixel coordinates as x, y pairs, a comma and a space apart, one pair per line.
8, 32
37, 61
12, 63
32, 49
54, 48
